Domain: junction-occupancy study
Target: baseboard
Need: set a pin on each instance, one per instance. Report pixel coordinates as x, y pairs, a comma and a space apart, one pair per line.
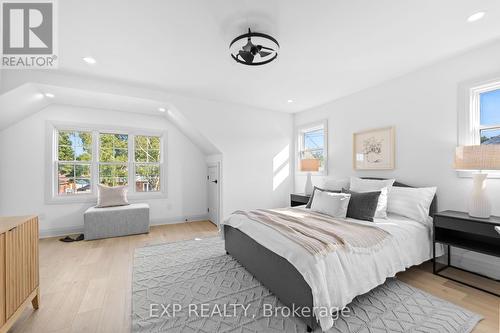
78, 229
476, 262
179, 219
56, 232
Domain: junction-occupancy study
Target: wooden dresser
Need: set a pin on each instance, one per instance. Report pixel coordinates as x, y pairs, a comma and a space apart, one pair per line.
19, 280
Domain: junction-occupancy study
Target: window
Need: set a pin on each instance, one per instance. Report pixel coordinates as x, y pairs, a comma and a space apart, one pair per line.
479, 116
74, 160
147, 163
489, 117
83, 158
113, 159
312, 144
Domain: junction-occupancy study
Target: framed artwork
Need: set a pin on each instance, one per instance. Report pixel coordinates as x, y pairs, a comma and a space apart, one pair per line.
374, 149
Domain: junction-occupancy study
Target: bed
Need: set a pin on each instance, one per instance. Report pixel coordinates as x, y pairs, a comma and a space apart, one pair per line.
299, 281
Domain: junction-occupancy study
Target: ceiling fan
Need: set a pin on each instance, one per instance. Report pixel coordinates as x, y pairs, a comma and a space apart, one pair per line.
262, 52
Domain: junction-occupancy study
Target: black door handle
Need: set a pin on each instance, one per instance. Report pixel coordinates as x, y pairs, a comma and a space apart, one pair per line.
214, 181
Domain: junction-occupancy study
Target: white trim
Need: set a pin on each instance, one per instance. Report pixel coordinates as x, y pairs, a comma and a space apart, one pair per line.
476, 262
219, 190
78, 229
51, 187
468, 132
297, 134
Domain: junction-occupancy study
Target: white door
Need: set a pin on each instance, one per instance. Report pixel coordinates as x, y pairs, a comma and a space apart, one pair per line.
213, 194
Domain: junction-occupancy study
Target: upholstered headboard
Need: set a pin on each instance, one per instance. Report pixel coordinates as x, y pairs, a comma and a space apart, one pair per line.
432, 209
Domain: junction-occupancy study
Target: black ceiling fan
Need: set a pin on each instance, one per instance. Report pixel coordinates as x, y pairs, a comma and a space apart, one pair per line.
247, 54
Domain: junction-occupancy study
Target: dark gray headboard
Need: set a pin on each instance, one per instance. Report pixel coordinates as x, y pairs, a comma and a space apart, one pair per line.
433, 208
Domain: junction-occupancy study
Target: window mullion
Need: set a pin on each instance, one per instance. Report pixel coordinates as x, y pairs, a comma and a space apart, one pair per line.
131, 164
94, 177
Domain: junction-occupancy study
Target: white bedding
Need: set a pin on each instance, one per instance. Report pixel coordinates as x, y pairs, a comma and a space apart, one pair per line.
340, 276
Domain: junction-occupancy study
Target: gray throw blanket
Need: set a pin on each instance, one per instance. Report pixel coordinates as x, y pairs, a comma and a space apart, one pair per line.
318, 233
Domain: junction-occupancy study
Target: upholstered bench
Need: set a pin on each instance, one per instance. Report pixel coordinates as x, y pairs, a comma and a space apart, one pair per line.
116, 221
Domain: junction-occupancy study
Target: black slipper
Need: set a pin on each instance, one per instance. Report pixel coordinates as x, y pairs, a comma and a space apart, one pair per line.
79, 238
67, 239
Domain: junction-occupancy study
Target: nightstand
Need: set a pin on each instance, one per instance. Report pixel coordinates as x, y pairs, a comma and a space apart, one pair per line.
298, 199
458, 229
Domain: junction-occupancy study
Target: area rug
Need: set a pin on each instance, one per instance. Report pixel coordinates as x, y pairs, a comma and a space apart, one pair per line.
194, 286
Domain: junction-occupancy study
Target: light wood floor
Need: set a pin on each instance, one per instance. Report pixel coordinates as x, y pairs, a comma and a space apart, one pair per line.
86, 286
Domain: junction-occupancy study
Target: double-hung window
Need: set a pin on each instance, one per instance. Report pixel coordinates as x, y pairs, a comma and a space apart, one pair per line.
479, 116
312, 144
489, 117
84, 158
147, 163
74, 162
113, 159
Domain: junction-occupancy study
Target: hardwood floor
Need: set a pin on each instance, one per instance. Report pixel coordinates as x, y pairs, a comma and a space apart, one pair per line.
86, 286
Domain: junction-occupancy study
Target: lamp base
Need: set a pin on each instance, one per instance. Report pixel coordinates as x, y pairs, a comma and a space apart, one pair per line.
479, 204
308, 190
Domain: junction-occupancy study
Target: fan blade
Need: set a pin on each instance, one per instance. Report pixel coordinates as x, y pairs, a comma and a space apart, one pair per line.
264, 53
266, 48
248, 46
247, 56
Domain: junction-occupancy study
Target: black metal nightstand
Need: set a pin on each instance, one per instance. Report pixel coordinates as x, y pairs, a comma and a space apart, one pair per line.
299, 199
458, 229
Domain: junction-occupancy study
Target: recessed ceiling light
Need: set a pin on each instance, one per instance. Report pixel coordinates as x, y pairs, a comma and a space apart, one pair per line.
162, 109
89, 60
290, 101
476, 17
49, 95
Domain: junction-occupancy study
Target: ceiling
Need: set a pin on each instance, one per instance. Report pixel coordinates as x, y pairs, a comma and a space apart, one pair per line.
30, 98
329, 48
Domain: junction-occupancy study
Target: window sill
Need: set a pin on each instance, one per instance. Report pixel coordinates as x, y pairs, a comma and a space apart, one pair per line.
92, 199
469, 174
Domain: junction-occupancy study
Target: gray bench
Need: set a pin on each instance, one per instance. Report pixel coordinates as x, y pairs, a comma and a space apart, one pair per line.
116, 221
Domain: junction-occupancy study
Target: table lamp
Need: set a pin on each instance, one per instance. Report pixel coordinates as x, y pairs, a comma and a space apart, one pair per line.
478, 158
309, 165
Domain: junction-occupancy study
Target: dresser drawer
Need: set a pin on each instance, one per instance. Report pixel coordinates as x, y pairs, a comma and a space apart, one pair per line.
478, 228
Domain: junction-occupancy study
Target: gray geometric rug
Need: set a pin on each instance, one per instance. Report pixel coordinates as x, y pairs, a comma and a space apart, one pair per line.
193, 286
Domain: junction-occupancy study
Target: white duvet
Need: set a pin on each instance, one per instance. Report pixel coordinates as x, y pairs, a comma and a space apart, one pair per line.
341, 275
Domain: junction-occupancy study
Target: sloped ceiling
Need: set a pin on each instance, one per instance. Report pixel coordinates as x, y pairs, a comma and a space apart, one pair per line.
29, 98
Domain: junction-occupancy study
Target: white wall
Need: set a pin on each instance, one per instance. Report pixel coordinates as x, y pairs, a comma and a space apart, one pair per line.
423, 108
253, 142
22, 169
255, 174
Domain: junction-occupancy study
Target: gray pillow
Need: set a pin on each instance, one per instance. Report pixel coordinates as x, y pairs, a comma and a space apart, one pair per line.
309, 203
362, 206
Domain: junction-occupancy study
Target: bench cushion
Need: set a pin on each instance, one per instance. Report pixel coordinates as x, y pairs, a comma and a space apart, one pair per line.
116, 221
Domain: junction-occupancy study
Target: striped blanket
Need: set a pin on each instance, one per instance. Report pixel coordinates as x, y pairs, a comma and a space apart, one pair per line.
318, 233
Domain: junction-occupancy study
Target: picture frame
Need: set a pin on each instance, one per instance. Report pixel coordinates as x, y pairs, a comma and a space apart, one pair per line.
374, 149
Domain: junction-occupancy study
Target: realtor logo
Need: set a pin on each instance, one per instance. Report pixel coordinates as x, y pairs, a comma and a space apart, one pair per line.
28, 34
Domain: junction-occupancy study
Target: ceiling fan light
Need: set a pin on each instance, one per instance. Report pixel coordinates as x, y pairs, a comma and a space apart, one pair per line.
245, 53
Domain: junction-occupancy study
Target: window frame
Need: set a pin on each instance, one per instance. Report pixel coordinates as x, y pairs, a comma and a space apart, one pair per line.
469, 116
159, 163
299, 139
75, 162
53, 127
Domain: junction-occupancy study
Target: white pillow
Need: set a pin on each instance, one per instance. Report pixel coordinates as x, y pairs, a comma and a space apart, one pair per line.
336, 184
410, 202
111, 196
333, 204
374, 185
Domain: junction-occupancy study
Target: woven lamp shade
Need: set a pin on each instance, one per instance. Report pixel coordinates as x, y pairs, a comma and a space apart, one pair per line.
309, 165
483, 157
